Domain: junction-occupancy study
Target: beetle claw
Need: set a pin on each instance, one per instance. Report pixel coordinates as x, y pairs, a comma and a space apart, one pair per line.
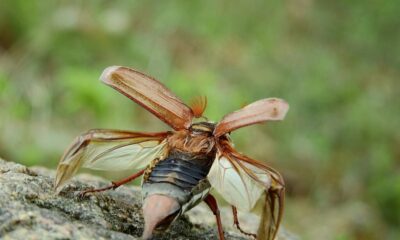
83, 194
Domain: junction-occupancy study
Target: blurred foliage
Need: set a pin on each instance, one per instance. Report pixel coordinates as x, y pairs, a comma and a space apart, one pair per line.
336, 62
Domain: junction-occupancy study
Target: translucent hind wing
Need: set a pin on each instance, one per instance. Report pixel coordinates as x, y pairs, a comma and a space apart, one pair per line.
234, 185
243, 182
110, 150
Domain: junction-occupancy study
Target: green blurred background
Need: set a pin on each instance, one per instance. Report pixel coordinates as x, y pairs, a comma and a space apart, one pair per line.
336, 62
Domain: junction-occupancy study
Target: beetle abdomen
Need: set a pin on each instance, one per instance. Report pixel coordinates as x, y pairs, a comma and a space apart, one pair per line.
183, 170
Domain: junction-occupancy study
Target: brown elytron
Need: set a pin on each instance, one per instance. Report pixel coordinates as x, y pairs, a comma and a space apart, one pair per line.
180, 167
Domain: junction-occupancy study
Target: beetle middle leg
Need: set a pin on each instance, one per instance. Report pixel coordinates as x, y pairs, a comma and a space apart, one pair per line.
212, 204
114, 185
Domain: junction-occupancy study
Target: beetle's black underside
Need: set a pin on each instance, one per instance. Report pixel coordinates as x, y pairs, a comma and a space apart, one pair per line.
183, 170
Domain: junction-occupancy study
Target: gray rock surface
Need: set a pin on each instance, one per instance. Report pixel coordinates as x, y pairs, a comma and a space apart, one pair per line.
30, 209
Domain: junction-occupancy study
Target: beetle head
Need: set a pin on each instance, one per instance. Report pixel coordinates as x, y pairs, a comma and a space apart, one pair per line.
202, 128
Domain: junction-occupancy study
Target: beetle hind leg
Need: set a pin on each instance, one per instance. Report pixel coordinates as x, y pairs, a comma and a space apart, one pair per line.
236, 222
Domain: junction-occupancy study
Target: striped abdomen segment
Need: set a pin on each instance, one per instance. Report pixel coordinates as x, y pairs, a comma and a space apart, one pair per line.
181, 169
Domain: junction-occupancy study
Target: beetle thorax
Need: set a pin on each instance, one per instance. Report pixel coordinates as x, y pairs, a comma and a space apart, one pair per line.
197, 139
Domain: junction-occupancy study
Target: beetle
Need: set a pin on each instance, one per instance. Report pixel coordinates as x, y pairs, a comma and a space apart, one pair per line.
180, 167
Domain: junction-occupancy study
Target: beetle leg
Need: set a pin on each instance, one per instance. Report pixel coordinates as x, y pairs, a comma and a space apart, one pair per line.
212, 204
236, 222
114, 185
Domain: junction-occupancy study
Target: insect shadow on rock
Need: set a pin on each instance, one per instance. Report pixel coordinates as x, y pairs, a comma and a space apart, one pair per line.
180, 167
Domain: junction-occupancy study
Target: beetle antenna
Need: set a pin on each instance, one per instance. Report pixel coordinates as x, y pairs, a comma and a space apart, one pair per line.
198, 105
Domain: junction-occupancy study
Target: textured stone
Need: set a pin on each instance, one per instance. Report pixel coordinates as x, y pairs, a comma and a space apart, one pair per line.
30, 209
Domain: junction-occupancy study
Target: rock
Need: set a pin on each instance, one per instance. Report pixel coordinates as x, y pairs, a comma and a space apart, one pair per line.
29, 209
